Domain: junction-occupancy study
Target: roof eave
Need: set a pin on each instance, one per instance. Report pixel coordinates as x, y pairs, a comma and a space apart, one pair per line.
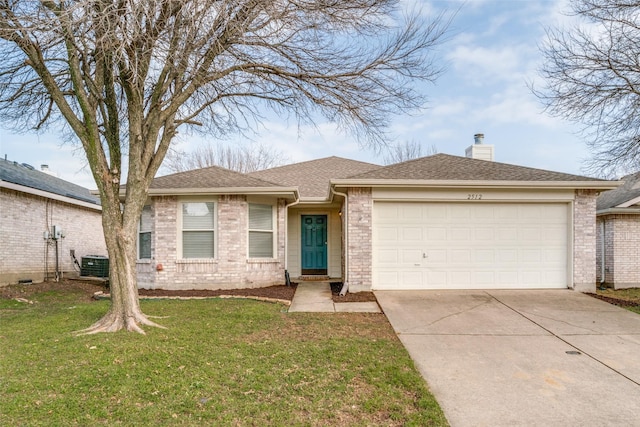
419, 183
49, 195
285, 192
315, 200
618, 211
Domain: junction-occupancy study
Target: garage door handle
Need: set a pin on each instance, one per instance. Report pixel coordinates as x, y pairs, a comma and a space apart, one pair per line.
424, 255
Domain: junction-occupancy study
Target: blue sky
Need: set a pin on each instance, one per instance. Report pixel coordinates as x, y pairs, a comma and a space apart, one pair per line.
490, 57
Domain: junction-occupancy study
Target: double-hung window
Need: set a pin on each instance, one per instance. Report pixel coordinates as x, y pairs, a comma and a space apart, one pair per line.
260, 231
198, 230
144, 234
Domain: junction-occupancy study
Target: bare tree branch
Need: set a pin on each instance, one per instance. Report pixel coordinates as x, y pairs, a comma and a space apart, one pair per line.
244, 158
592, 77
125, 75
409, 150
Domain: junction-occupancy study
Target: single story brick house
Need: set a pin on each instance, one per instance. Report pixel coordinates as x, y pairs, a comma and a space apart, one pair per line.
438, 222
618, 235
42, 220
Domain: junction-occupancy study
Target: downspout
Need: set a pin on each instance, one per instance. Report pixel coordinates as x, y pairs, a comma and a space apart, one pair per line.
286, 239
345, 211
603, 247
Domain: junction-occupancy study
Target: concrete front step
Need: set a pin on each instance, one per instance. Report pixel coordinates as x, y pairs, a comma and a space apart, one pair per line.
315, 297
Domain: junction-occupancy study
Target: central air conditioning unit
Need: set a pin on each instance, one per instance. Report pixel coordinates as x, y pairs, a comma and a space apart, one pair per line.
94, 265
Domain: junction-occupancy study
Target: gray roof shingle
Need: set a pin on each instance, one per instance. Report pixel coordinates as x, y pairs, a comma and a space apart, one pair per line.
312, 177
210, 177
629, 190
26, 176
444, 167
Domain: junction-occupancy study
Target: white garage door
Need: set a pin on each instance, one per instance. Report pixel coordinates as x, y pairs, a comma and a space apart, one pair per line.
470, 245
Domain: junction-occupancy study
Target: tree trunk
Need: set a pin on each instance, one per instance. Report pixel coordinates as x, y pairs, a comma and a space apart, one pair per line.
124, 312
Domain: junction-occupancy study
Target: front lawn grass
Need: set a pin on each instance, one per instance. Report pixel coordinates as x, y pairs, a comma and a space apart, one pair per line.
630, 298
221, 362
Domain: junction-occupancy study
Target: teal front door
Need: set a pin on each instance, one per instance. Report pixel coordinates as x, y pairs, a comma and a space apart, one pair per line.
314, 244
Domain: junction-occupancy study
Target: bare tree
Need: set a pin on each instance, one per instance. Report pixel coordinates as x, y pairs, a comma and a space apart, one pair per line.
243, 158
408, 150
592, 77
125, 75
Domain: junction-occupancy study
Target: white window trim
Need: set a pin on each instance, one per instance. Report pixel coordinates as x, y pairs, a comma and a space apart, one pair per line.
180, 230
138, 238
273, 231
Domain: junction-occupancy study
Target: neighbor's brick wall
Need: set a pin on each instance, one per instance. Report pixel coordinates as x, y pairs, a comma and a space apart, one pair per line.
622, 251
24, 254
360, 206
229, 270
626, 257
584, 241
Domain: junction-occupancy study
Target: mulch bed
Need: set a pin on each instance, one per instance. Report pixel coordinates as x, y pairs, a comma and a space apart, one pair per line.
616, 301
274, 292
89, 288
350, 297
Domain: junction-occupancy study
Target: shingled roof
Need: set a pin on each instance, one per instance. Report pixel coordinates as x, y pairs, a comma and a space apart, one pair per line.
213, 177
312, 177
26, 176
627, 192
445, 167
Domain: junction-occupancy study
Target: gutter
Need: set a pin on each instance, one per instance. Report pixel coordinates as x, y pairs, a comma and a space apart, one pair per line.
345, 286
618, 211
422, 183
275, 191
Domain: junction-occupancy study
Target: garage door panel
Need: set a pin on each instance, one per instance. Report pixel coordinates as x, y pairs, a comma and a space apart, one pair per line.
460, 256
435, 211
412, 233
484, 256
553, 255
507, 234
388, 257
436, 234
485, 278
530, 255
388, 234
505, 256
470, 245
460, 279
457, 233
410, 212
460, 212
412, 257
484, 235
436, 279
436, 256
412, 279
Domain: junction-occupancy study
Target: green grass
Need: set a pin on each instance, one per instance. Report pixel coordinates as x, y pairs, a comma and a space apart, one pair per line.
221, 362
632, 295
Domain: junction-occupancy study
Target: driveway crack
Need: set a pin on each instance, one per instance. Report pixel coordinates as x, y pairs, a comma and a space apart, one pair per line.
408, 331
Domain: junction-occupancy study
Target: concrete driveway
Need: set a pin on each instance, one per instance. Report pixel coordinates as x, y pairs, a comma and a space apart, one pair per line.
522, 358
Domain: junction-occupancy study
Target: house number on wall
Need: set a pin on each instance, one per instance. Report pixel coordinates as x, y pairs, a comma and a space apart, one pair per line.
474, 196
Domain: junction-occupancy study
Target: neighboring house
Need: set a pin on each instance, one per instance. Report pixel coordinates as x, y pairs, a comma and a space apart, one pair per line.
618, 241
40, 215
438, 222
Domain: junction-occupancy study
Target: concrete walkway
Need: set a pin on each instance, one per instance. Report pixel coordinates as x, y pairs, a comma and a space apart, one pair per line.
315, 297
522, 358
